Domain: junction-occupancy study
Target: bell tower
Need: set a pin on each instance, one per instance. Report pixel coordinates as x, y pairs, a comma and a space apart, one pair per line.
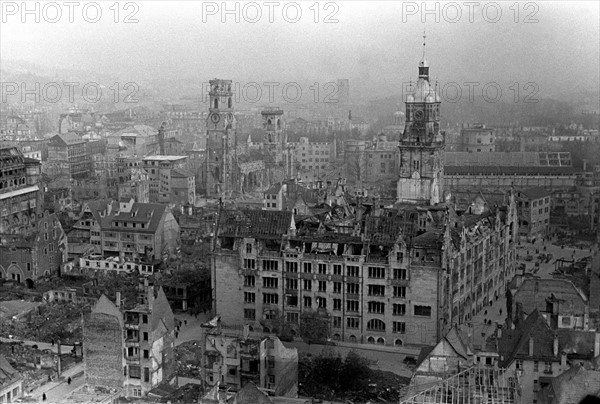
220, 139
421, 146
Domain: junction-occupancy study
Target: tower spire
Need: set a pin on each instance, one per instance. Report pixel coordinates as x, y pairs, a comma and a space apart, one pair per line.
424, 37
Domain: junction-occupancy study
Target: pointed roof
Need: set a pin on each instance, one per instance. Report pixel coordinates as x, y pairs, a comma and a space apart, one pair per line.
8, 374
515, 343
105, 306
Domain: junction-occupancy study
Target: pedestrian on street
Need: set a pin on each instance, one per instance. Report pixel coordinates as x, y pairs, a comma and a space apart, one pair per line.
500, 311
44, 397
185, 322
69, 380
52, 341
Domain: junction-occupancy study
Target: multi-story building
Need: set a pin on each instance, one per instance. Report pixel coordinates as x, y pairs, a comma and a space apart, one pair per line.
130, 348
476, 138
534, 213
137, 140
313, 156
71, 148
133, 181
27, 257
167, 175
234, 357
382, 276
129, 229
532, 350
20, 194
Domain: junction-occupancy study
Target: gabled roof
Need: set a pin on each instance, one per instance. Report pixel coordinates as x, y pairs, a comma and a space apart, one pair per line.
387, 229
8, 374
515, 343
572, 386
179, 173
66, 139
254, 223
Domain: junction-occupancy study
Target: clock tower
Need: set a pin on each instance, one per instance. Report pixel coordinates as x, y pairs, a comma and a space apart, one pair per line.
220, 139
421, 146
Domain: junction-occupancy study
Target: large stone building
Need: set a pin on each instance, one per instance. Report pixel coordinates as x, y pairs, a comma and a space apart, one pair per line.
20, 194
128, 229
390, 276
130, 348
169, 180
72, 149
534, 213
27, 257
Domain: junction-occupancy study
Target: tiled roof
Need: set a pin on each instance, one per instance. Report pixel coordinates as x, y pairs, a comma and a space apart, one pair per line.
429, 239
508, 170
8, 374
68, 138
515, 343
150, 213
572, 386
576, 343
254, 223
386, 229
179, 173
533, 293
535, 193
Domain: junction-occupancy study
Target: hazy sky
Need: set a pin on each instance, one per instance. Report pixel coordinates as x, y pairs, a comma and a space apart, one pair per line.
379, 43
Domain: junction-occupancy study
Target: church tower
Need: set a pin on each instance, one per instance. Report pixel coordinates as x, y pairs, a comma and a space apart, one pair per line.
220, 139
421, 146
273, 134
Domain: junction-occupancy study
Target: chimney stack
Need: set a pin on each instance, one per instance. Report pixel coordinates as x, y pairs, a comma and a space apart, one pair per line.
530, 346
597, 344
118, 299
555, 350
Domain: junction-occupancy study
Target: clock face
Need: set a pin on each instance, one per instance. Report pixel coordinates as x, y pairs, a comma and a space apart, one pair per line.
419, 115
215, 118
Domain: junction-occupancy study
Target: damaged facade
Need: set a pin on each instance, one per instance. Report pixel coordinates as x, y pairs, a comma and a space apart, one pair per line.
396, 275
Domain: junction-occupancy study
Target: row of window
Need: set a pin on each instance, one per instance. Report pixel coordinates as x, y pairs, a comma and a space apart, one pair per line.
352, 288
398, 309
307, 267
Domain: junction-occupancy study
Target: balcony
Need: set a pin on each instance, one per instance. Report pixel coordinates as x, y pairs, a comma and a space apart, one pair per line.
132, 359
132, 342
132, 326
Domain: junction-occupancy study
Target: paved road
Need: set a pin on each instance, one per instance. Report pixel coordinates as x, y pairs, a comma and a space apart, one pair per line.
57, 390
479, 330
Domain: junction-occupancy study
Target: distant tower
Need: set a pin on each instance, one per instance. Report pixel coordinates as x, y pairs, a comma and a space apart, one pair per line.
273, 135
421, 165
161, 139
220, 139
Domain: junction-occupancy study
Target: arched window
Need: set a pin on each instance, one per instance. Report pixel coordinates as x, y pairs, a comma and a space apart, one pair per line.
371, 340
229, 103
216, 103
398, 342
380, 341
376, 325
352, 338
336, 337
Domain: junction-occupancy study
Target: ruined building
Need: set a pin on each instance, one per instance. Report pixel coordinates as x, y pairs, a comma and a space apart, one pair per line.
396, 275
234, 357
130, 348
